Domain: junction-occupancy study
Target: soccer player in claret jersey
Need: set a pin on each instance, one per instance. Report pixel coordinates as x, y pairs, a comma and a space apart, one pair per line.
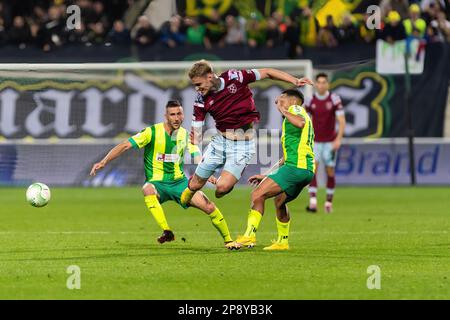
325, 107
285, 181
229, 100
165, 145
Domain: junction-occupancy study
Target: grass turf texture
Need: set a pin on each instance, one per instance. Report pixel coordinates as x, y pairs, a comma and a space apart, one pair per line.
110, 235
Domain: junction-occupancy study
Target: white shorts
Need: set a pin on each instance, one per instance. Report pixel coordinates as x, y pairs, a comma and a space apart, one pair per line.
233, 156
324, 153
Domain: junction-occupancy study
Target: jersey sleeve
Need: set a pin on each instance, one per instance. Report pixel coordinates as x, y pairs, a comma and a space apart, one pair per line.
297, 110
337, 104
194, 150
199, 115
141, 139
243, 76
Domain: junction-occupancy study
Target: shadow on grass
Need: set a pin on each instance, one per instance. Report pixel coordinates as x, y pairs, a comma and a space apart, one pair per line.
150, 251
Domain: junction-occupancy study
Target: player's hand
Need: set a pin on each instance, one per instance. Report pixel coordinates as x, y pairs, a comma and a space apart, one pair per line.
282, 109
303, 82
96, 167
212, 180
256, 179
336, 144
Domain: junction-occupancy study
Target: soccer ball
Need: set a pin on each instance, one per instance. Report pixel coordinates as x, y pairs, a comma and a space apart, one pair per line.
38, 195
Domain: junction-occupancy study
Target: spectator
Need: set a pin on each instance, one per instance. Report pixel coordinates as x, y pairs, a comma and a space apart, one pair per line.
441, 27
38, 36
53, 32
415, 26
393, 30
39, 15
347, 32
235, 31
365, 34
3, 33
97, 33
79, 35
280, 22
273, 36
309, 28
195, 33
328, 35
119, 35
19, 34
256, 32
400, 6
291, 37
5, 14
215, 30
96, 15
430, 12
171, 34
146, 34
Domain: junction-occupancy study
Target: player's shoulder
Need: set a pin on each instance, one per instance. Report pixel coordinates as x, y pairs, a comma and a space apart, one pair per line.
335, 98
182, 130
233, 75
296, 109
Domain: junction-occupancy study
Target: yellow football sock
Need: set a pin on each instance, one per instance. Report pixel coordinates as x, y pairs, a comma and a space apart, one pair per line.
186, 196
220, 224
283, 231
157, 211
254, 218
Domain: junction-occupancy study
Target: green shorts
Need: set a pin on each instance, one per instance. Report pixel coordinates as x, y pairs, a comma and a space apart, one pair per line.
291, 180
170, 190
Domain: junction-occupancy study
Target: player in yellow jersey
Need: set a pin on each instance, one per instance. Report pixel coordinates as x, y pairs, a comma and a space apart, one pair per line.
165, 144
288, 178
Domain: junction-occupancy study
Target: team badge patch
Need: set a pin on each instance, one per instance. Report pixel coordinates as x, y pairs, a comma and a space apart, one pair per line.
232, 88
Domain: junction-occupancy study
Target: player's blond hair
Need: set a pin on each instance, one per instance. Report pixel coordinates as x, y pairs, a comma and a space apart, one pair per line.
200, 69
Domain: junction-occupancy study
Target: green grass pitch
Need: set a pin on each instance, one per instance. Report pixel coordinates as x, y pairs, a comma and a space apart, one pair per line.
112, 238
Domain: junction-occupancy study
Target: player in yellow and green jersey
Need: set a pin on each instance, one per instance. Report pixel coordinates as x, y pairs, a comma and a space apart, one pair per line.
164, 146
288, 178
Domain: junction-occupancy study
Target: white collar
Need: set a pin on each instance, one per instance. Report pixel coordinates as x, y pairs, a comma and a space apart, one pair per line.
222, 84
322, 97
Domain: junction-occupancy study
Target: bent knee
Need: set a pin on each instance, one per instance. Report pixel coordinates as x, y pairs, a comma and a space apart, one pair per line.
148, 189
222, 189
210, 207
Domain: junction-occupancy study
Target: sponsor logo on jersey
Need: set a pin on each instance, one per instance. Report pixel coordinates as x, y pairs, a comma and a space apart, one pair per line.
167, 157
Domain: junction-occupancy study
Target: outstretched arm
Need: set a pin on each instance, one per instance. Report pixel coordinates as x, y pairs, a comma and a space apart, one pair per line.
113, 154
257, 178
276, 74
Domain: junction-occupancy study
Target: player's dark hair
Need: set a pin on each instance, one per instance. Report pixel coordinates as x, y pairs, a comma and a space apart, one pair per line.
294, 93
321, 75
173, 103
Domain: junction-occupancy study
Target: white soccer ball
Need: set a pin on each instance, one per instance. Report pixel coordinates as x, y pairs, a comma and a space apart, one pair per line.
38, 195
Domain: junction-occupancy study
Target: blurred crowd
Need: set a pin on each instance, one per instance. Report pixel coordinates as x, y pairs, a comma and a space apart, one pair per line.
427, 20
43, 24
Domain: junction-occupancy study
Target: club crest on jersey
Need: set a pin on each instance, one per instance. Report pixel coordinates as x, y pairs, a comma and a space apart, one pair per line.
329, 105
232, 88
